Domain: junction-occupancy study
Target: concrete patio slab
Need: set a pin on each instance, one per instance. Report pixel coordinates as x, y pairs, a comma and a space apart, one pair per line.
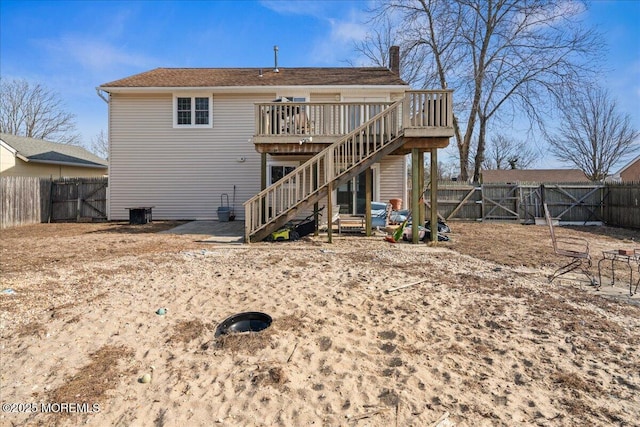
212, 231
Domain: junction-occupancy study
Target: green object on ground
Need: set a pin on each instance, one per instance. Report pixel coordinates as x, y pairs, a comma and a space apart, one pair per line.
397, 234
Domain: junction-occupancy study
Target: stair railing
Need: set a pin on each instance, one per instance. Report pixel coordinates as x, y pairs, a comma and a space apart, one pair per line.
332, 163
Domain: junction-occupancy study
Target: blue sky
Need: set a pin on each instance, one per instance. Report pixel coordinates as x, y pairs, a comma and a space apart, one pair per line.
73, 46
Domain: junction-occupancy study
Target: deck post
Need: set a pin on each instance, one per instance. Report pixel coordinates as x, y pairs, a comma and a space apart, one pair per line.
415, 194
330, 211
316, 215
434, 194
263, 183
367, 190
421, 208
248, 220
263, 171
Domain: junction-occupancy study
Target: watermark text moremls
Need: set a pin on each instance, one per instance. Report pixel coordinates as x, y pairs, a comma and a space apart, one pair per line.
52, 407
69, 407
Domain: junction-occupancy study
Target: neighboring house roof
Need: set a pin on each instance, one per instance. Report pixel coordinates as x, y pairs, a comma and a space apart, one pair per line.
41, 151
230, 77
533, 175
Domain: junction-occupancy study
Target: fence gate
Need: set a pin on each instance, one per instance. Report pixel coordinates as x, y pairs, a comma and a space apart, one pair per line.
530, 206
575, 203
501, 202
78, 198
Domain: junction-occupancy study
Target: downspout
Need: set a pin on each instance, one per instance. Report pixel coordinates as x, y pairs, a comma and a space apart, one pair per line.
100, 93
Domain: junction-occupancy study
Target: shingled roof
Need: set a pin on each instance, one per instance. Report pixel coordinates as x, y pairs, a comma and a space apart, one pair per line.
533, 175
41, 151
221, 77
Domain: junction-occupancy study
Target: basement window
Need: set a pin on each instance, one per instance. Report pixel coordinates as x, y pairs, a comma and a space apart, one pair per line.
192, 111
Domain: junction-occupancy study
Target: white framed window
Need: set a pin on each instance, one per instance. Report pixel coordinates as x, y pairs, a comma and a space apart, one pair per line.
278, 170
293, 99
192, 110
290, 117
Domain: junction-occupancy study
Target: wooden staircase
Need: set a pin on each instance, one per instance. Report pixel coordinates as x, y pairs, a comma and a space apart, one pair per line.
358, 150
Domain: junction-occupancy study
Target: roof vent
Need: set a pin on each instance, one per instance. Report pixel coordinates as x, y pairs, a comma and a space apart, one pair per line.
260, 75
275, 55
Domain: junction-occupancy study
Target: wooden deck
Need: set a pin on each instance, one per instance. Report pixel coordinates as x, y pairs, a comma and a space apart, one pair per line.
310, 127
342, 141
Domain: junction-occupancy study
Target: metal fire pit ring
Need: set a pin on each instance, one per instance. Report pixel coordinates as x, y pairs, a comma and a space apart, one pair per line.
250, 321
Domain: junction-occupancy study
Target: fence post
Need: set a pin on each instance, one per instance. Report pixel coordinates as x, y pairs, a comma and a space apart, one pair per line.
50, 199
79, 202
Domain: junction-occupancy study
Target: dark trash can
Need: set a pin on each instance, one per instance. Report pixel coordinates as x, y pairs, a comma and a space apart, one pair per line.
140, 215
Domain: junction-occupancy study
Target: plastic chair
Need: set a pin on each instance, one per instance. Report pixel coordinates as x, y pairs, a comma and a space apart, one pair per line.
380, 213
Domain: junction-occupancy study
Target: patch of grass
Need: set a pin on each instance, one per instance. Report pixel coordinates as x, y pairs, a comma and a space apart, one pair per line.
92, 382
578, 410
31, 329
244, 342
573, 382
188, 330
273, 376
291, 322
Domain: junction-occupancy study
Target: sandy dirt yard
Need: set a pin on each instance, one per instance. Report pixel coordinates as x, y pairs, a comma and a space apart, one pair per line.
480, 338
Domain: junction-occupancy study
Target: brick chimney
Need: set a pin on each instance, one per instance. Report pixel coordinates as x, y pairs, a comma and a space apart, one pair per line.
394, 59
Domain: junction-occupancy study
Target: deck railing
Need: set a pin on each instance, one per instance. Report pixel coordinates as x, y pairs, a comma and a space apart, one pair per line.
329, 165
423, 109
315, 118
429, 108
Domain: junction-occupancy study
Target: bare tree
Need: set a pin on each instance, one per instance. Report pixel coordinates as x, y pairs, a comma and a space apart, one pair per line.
36, 112
100, 144
375, 49
444, 172
504, 152
592, 134
501, 57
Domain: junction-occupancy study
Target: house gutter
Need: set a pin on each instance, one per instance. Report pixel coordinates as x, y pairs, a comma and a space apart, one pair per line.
13, 151
81, 165
10, 149
247, 89
100, 94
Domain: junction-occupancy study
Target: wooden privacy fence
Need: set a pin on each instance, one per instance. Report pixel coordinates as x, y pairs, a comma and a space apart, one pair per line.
25, 200
622, 205
580, 203
29, 200
457, 201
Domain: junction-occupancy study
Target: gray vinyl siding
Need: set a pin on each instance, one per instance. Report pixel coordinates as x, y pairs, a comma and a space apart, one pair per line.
181, 172
324, 97
393, 175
